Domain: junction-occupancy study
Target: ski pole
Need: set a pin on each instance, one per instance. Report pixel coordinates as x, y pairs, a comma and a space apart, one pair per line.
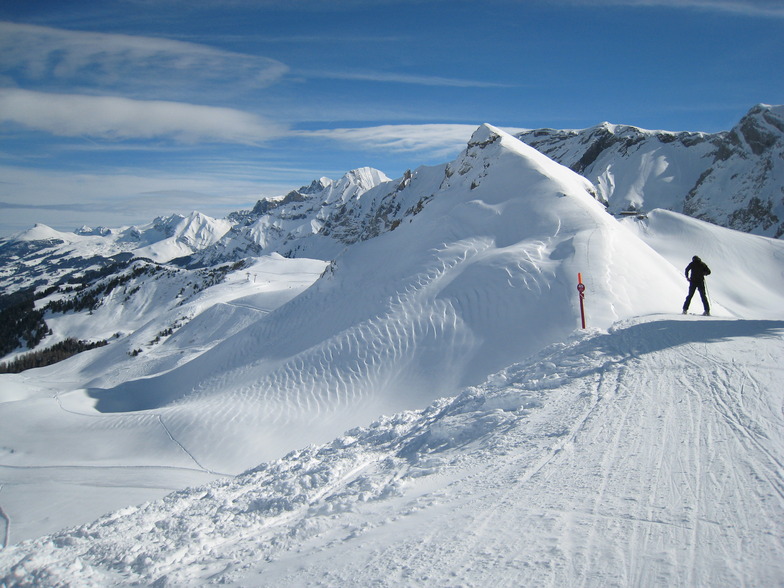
707, 294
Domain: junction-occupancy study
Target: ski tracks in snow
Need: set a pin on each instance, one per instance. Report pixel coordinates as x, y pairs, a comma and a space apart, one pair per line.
642, 467
184, 449
641, 457
670, 480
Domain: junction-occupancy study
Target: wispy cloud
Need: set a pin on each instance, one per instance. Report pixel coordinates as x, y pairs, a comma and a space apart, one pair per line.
77, 207
49, 58
402, 78
758, 8
109, 117
116, 197
437, 139
751, 8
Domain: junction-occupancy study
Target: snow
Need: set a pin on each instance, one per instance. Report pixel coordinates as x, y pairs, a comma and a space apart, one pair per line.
353, 184
730, 178
635, 169
87, 463
646, 454
482, 276
41, 232
747, 271
182, 236
517, 449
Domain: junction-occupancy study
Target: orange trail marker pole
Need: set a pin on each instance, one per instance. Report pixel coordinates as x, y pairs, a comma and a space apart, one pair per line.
581, 290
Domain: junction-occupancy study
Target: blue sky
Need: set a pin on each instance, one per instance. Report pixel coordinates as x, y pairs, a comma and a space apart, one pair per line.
115, 112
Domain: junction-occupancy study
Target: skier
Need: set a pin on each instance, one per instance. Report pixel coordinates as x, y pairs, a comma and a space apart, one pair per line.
695, 273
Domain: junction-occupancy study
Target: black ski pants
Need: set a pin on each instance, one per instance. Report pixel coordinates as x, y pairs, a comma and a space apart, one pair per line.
697, 285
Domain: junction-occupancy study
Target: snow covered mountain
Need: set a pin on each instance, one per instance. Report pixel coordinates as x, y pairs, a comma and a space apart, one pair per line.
44, 255
734, 179
432, 297
315, 221
461, 279
58, 272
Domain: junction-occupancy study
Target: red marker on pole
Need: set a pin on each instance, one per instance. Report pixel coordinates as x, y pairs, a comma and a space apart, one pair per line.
581, 290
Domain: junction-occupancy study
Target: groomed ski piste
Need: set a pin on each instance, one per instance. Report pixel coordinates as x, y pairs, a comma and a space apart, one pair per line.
517, 449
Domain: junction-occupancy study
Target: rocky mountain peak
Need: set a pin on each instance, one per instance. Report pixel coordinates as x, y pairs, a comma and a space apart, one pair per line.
732, 178
760, 129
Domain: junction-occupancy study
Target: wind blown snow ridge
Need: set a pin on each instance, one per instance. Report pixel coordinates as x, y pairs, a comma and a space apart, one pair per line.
472, 271
423, 287
609, 459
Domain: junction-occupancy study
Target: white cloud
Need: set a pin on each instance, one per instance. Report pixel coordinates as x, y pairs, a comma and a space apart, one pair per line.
434, 140
72, 115
752, 8
399, 78
144, 65
65, 200
438, 140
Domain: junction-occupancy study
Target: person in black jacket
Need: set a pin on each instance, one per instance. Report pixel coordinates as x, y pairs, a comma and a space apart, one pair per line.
695, 273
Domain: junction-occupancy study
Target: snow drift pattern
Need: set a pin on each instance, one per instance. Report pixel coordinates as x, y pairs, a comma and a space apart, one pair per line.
483, 275
652, 453
438, 280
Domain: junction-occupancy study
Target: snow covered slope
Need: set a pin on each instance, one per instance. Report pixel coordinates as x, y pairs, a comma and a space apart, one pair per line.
62, 463
454, 273
483, 275
733, 178
747, 278
651, 454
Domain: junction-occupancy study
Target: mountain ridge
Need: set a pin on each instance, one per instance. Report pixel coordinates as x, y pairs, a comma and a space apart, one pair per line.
432, 283
733, 178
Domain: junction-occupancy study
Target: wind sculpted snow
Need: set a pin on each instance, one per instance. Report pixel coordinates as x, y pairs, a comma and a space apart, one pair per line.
484, 274
479, 272
650, 454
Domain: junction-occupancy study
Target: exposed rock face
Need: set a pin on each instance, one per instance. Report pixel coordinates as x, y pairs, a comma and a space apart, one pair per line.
734, 178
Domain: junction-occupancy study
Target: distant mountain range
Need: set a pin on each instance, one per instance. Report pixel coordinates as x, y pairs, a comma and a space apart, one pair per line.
211, 345
734, 179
